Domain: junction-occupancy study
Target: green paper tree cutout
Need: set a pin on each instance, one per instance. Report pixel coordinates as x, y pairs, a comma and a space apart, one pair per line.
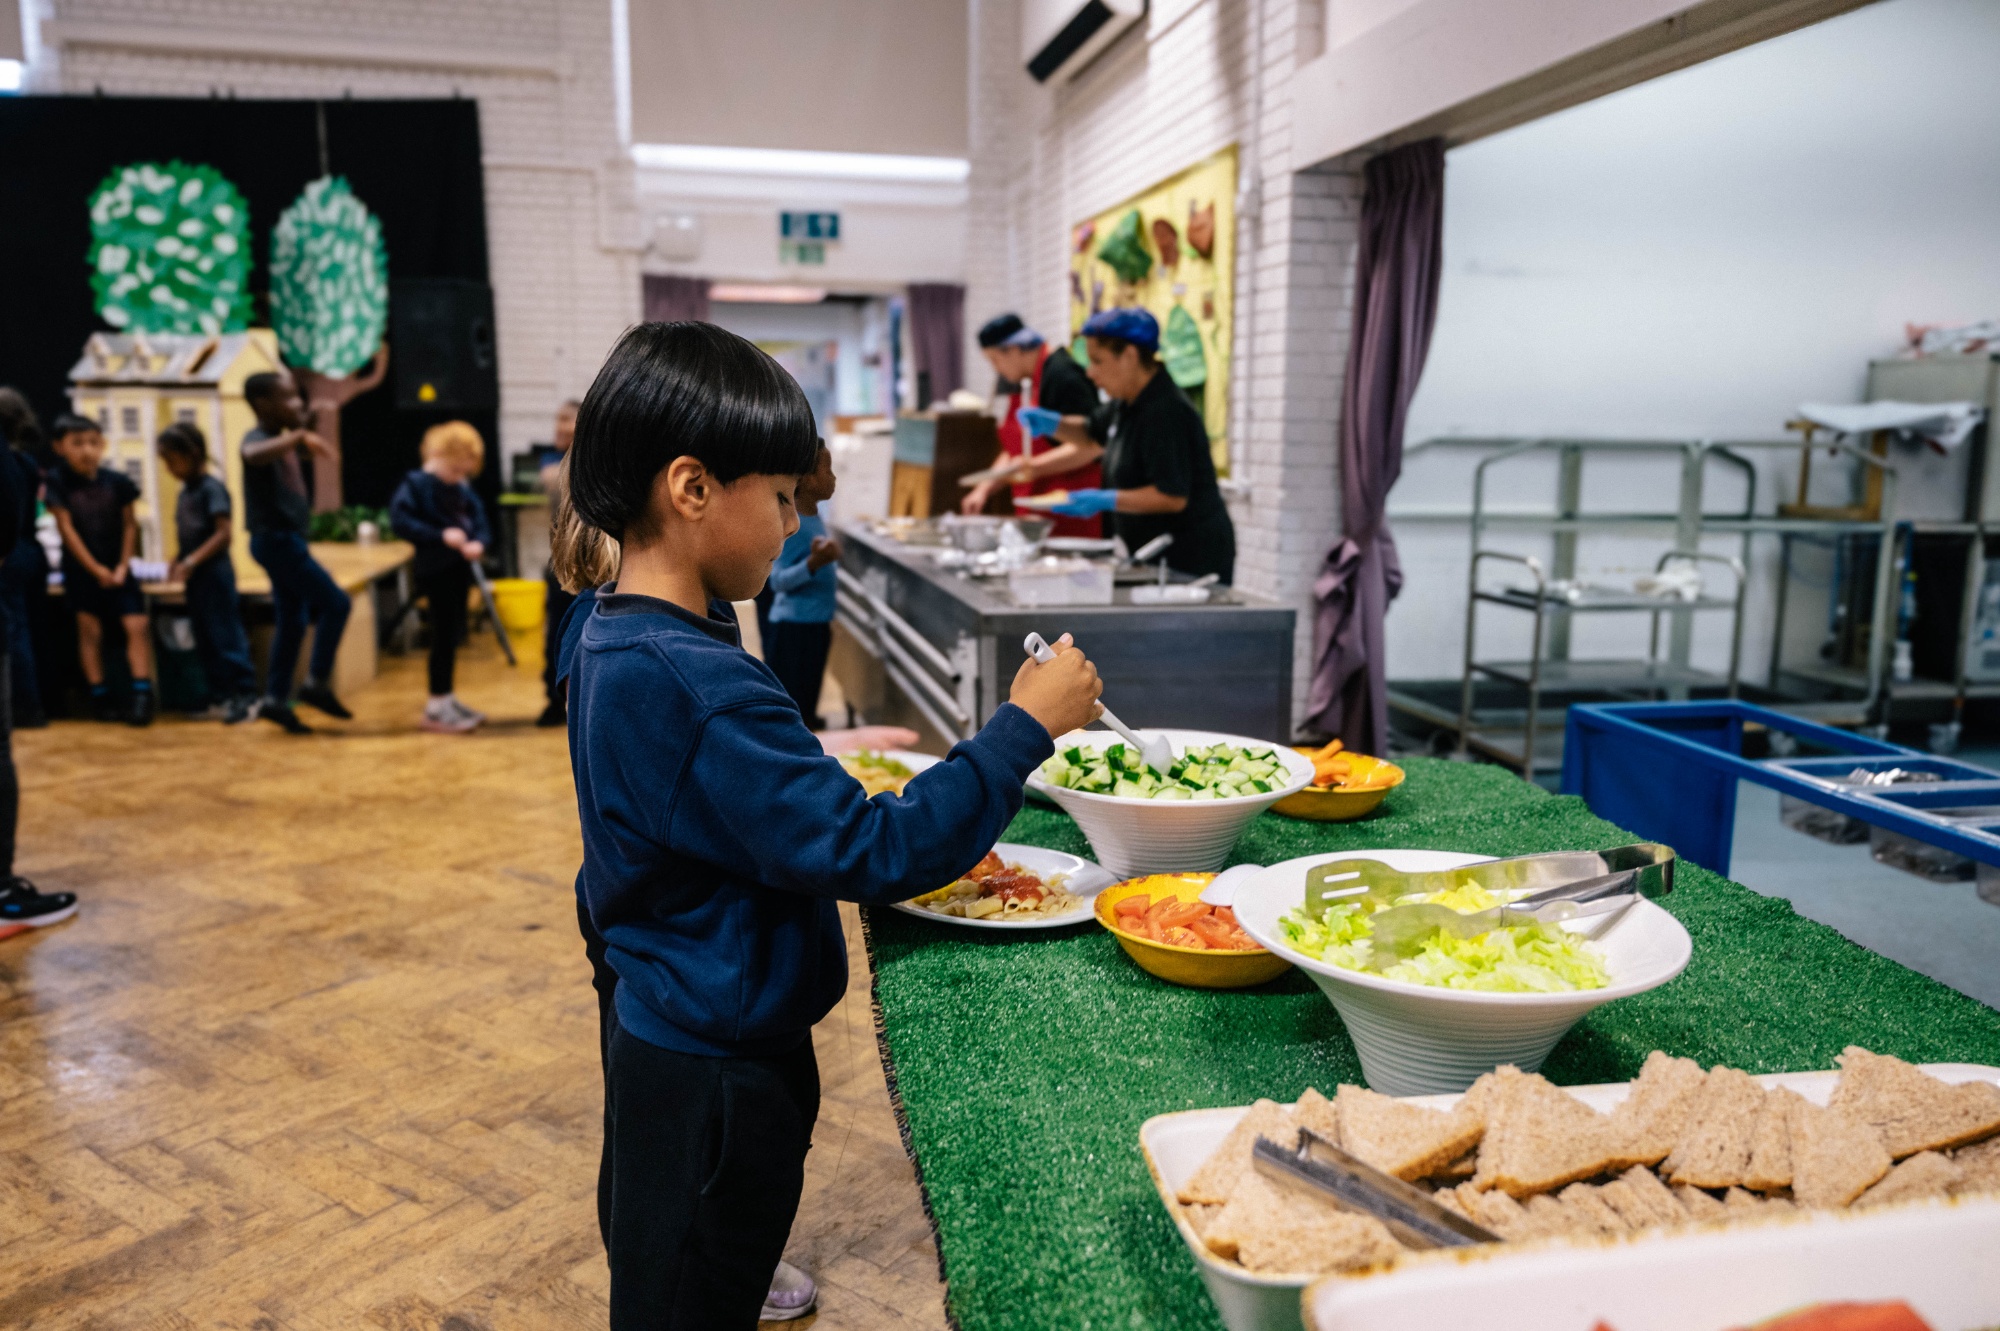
1180, 348
170, 250
1125, 251
329, 280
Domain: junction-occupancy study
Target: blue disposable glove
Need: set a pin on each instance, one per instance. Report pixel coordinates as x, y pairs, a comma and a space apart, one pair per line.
1086, 503
1038, 422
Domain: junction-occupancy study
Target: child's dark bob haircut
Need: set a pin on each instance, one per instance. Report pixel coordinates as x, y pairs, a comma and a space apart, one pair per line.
69, 423
184, 439
682, 390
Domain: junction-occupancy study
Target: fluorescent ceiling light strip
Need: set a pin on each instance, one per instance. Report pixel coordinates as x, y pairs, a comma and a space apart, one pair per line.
794, 162
752, 293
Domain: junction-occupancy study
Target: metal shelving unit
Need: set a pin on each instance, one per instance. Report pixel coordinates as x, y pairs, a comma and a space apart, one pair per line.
1518, 735
1625, 678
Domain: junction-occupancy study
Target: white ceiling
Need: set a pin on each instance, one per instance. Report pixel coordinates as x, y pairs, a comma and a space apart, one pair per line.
875, 76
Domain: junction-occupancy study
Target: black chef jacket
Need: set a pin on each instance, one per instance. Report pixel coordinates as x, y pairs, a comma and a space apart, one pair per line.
1158, 439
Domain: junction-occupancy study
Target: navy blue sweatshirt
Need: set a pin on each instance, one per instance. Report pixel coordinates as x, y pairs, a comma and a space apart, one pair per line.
717, 835
422, 507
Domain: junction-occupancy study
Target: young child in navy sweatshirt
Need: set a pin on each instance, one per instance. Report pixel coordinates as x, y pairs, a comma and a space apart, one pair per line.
717, 834
436, 510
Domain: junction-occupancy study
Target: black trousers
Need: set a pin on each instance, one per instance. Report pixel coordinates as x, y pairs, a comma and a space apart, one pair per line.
706, 1159
10, 784
605, 981
559, 602
446, 590
796, 654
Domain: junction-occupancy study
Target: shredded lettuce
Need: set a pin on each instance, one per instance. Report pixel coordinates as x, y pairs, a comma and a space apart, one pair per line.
1524, 959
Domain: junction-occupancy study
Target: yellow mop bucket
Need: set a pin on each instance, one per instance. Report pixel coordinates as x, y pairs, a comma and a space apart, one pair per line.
520, 602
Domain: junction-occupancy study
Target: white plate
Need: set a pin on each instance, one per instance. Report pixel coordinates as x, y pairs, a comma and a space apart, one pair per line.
1415, 1039
1079, 545
1086, 880
1511, 1285
916, 762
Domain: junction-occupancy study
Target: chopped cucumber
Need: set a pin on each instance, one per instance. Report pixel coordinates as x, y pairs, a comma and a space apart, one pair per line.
1215, 771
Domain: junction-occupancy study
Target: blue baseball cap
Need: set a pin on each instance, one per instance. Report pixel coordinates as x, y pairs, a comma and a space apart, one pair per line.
1138, 327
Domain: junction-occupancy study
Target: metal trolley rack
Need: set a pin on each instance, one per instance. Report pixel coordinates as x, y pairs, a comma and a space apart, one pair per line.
1522, 736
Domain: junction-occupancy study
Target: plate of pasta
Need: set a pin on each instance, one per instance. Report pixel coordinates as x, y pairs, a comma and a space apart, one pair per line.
885, 772
1016, 887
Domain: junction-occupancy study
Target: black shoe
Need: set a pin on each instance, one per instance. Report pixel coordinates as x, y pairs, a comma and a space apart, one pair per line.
238, 710
32, 719
22, 905
320, 696
105, 708
555, 714
141, 710
281, 715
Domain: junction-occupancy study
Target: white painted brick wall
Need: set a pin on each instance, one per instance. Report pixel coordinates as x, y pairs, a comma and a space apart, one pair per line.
560, 220
1157, 101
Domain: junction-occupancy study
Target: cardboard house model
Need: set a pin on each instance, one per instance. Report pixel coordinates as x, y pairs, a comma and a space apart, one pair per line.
136, 384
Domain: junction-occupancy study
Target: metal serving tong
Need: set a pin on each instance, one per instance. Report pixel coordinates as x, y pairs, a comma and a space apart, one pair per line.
1409, 1213
1564, 885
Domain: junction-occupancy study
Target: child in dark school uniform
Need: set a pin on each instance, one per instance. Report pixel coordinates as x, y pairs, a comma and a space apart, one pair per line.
93, 508
687, 753
203, 528
436, 510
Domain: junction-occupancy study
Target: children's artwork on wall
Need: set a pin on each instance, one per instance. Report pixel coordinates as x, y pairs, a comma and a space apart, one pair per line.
329, 280
170, 250
1171, 250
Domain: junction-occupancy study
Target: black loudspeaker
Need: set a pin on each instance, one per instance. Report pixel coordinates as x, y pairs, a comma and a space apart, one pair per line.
441, 344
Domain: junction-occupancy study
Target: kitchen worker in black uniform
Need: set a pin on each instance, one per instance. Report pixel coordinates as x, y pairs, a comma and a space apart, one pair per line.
1159, 476
1038, 387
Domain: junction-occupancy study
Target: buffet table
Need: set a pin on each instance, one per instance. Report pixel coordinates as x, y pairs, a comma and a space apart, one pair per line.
1021, 1066
928, 647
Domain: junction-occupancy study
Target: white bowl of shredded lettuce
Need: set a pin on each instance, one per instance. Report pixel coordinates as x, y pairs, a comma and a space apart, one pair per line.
1449, 1009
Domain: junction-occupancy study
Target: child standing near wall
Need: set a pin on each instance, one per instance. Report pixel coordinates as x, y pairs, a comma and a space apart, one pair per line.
203, 529
92, 504
435, 510
801, 625
718, 834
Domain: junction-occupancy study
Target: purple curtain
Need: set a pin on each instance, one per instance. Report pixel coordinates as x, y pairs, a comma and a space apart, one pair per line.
1396, 272
937, 336
674, 299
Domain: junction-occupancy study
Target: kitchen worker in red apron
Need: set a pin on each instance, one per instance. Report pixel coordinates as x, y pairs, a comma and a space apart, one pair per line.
1049, 385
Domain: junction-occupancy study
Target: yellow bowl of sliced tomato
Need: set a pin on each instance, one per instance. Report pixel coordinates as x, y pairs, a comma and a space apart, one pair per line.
1345, 786
1164, 925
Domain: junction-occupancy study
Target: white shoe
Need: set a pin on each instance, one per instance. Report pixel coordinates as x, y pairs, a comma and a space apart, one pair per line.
441, 718
469, 713
793, 1295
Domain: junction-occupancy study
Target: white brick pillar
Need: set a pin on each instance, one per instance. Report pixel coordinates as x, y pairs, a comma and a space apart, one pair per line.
1291, 353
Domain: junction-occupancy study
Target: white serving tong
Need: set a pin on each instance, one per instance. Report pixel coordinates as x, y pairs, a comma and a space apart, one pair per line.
1159, 754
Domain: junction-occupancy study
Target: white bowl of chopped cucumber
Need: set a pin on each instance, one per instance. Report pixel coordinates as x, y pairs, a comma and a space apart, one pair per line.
1183, 820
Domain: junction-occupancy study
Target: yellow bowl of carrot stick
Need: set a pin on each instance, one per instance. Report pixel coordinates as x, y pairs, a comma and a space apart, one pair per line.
1345, 786
1164, 925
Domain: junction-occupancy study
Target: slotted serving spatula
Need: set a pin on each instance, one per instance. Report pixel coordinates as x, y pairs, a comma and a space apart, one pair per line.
1586, 883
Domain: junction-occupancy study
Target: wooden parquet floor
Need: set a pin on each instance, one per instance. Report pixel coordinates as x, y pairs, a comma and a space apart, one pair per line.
320, 1049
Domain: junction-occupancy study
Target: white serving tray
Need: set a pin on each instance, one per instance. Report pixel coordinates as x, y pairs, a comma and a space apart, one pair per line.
1509, 1287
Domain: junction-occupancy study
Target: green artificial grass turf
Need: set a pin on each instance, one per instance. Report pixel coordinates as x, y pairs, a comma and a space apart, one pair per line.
1024, 1065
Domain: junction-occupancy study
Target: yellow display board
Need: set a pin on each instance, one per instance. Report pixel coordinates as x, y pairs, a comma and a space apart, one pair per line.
1182, 232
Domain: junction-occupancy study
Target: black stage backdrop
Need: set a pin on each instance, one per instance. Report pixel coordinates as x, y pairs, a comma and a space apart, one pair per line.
415, 164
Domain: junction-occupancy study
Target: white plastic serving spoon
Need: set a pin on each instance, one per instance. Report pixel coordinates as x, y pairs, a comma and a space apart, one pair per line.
1159, 754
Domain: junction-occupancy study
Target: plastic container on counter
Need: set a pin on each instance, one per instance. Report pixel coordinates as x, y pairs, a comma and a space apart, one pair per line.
1832, 826
1925, 860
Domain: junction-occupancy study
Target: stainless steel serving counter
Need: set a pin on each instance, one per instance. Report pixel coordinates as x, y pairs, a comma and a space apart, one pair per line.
946, 645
